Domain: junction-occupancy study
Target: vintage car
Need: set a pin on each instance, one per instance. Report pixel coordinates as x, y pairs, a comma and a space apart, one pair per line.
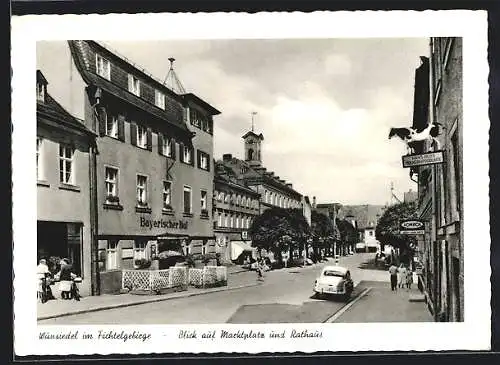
334, 280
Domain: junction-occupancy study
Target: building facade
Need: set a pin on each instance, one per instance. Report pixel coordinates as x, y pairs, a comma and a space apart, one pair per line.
273, 191
65, 166
410, 196
154, 163
235, 206
365, 219
440, 186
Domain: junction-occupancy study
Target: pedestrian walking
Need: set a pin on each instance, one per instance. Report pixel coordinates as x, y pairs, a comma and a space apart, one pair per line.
393, 272
402, 273
409, 279
260, 269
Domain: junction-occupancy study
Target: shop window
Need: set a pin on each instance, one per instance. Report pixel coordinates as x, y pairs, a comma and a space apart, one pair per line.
187, 247
140, 250
66, 173
74, 239
111, 255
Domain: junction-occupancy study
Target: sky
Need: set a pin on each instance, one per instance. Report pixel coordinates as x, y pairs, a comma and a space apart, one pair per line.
324, 106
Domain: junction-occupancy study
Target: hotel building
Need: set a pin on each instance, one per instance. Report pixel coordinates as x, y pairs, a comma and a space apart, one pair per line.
154, 163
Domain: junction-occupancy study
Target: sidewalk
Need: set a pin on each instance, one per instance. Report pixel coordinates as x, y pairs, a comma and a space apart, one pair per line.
61, 308
380, 304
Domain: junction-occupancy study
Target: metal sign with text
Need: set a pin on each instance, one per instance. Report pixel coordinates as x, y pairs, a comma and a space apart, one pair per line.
412, 226
428, 158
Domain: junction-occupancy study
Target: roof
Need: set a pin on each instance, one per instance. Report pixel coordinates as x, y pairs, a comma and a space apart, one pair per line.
209, 108
251, 133
40, 78
218, 178
256, 175
93, 79
53, 111
363, 214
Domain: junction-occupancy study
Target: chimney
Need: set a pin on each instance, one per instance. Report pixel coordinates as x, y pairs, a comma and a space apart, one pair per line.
289, 185
227, 157
314, 202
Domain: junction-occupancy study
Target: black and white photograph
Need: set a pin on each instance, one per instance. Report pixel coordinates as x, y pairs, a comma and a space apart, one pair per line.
233, 189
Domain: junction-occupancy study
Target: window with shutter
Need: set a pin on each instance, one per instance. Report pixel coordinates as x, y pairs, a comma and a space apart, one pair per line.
121, 128
133, 134
149, 140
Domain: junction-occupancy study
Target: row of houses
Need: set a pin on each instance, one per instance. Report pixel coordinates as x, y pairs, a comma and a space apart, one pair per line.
438, 98
125, 170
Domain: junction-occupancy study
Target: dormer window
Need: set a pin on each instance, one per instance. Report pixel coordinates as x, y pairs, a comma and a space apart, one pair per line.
159, 99
40, 92
134, 85
103, 67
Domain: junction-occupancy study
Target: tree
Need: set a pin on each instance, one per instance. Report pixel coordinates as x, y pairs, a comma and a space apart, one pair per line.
278, 229
348, 233
388, 230
323, 230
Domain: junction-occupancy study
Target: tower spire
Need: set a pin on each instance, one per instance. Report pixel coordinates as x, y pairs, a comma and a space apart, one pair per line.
253, 115
172, 81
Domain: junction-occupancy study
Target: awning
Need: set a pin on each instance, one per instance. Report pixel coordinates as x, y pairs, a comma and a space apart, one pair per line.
238, 247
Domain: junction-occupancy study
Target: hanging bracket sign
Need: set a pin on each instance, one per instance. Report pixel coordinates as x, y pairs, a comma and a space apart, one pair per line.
428, 158
412, 227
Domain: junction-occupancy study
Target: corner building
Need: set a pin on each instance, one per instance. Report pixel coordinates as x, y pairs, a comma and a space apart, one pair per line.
65, 159
154, 173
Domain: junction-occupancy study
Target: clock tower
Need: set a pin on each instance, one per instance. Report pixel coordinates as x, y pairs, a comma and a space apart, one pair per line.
253, 148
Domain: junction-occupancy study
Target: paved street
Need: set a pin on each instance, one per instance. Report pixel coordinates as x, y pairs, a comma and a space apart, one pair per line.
285, 296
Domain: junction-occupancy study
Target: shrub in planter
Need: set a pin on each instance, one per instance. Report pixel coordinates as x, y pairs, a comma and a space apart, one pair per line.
142, 264
190, 261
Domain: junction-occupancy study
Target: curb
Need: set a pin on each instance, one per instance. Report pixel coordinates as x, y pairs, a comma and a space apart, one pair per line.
123, 305
345, 308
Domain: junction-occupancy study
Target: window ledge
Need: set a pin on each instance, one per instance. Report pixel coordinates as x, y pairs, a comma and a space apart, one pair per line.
187, 215
143, 209
167, 211
204, 216
69, 187
43, 183
112, 206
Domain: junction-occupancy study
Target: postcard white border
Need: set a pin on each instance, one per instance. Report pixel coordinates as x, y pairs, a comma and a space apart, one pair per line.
473, 334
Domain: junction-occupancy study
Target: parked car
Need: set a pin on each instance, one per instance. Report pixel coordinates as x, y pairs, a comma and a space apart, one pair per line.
334, 280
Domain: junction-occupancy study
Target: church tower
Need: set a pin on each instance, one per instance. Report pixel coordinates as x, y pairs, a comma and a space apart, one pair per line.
253, 145
253, 148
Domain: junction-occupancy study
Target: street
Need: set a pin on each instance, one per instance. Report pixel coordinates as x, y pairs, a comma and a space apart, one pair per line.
284, 297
